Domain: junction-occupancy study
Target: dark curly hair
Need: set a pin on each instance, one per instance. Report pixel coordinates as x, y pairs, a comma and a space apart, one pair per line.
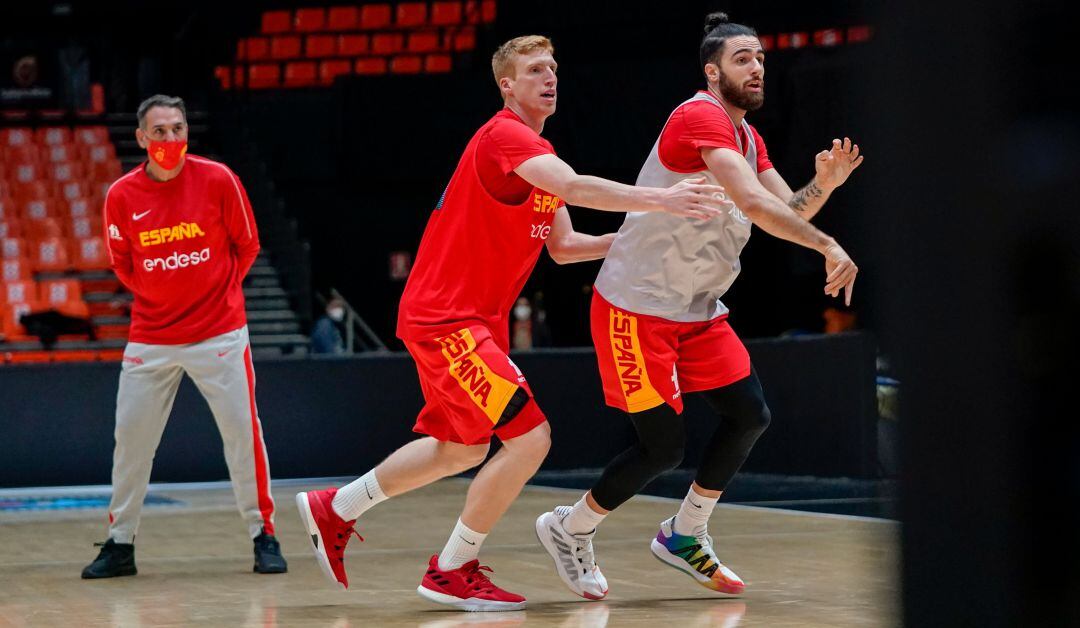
717, 31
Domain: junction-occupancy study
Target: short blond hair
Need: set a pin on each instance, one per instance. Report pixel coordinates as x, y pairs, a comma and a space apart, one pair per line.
502, 62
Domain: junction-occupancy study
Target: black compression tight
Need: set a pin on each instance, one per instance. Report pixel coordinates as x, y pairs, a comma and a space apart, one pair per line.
743, 417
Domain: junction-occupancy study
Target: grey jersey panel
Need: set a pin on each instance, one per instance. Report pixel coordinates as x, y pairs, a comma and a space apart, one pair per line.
671, 267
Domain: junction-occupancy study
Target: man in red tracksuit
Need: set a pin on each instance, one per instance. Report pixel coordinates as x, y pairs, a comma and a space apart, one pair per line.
181, 236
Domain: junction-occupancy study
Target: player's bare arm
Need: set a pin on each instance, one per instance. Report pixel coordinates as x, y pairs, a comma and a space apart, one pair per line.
832, 168
769, 212
691, 198
567, 246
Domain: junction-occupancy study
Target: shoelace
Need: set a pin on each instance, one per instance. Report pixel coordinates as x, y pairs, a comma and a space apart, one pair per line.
343, 535
583, 551
478, 581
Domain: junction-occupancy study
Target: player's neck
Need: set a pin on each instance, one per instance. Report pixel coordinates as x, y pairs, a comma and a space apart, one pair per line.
533, 121
161, 175
736, 114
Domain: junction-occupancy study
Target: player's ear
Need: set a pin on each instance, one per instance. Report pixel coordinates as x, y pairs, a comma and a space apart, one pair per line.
712, 72
505, 85
140, 137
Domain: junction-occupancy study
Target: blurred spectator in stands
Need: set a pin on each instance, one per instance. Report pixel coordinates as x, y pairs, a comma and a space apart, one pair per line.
326, 336
541, 333
839, 319
521, 331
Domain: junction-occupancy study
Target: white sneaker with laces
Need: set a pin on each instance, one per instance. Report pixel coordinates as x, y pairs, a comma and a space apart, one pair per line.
573, 554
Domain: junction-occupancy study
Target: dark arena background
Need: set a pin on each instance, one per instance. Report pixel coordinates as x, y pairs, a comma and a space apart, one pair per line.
921, 459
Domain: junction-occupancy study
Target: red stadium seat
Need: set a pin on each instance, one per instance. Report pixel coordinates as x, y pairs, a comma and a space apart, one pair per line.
437, 63
465, 39
50, 254
90, 254
101, 152
104, 172
52, 135
274, 22
353, 45
411, 14
92, 135
239, 77
445, 13
318, 46
342, 18
66, 171
64, 152
424, 41
477, 12
14, 269
16, 136
32, 189
285, 47
79, 208
22, 154
85, 227
75, 355
310, 20
28, 357
373, 65
38, 209
223, 74
387, 43
20, 291
374, 16
258, 48
329, 70
13, 248
73, 189
300, 74
9, 229
43, 228
263, 75
406, 64
110, 355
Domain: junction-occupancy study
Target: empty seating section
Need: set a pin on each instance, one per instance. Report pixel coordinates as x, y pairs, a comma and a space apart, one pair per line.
310, 46
52, 252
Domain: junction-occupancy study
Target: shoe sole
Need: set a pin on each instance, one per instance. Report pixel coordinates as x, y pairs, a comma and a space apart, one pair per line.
317, 544
472, 605
663, 555
126, 571
553, 552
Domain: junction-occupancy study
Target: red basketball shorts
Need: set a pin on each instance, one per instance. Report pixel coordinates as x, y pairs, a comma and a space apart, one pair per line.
467, 381
646, 360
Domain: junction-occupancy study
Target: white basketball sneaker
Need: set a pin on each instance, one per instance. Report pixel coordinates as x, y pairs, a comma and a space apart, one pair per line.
573, 555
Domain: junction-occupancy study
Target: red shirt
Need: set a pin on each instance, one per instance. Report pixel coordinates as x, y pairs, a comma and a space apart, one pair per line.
182, 247
701, 124
482, 240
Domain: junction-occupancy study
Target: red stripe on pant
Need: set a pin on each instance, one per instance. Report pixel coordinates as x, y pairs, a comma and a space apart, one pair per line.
262, 484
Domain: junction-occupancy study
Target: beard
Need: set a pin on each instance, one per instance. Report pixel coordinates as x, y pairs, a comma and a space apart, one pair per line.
733, 94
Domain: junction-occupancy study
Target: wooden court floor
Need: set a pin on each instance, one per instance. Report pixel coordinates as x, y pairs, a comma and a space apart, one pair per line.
195, 568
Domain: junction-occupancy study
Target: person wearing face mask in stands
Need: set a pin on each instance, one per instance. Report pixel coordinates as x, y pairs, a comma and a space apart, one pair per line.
181, 236
326, 332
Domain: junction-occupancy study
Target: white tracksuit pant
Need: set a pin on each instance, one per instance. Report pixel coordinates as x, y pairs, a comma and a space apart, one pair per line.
221, 369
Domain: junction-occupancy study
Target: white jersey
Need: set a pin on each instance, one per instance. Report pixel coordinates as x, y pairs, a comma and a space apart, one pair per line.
673, 267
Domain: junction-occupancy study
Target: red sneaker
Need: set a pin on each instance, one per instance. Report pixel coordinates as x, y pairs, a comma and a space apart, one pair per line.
329, 532
467, 588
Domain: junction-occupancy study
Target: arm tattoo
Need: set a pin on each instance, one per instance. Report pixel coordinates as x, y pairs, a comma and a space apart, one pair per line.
811, 191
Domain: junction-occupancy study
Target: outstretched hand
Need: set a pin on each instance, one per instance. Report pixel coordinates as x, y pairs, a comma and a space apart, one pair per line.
834, 166
693, 198
840, 271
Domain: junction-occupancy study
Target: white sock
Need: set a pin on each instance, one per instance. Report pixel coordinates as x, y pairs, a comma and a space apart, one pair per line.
462, 547
353, 499
694, 513
582, 519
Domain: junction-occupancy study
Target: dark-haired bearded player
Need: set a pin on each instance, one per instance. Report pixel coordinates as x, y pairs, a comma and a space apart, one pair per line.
660, 328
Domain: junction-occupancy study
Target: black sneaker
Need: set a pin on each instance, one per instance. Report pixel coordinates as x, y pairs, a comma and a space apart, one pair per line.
115, 559
268, 558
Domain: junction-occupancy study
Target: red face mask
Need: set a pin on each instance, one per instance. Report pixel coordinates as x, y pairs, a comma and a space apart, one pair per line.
167, 154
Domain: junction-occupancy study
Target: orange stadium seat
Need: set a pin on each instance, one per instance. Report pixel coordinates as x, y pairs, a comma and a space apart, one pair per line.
318, 46
437, 63
406, 64
16, 136
465, 39
258, 48
92, 135
387, 43
50, 254
14, 269
310, 20
90, 254
276, 22
263, 75
28, 357
424, 41
300, 74
59, 291
110, 355
445, 13
13, 248
329, 70
353, 45
19, 291
342, 18
285, 47
52, 135
411, 14
373, 65
375, 16
75, 355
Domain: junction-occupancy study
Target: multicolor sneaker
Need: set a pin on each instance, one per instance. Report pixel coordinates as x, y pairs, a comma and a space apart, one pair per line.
573, 555
467, 588
695, 556
329, 532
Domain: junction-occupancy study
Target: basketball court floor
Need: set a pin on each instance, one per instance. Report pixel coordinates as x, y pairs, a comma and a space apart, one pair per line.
194, 560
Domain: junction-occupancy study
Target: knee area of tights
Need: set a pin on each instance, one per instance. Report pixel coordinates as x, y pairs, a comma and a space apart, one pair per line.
665, 458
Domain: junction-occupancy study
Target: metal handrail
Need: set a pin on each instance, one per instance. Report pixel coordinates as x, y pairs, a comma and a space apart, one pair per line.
354, 323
